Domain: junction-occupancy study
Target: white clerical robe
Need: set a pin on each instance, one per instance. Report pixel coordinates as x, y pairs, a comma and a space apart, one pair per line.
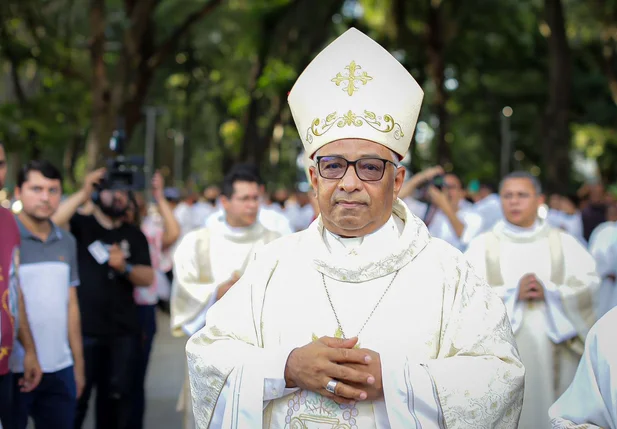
440, 226
205, 259
447, 350
300, 217
591, 400
549, 334
603, 247
490, 210
571, 223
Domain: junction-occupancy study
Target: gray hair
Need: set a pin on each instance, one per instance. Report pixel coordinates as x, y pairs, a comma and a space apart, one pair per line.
523, 175
393, 155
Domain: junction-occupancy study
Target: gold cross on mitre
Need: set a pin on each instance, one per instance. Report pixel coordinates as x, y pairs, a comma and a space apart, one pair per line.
355, 89
352, 78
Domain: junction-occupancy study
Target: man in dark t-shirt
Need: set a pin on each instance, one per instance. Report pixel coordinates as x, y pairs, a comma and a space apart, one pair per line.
113, 258
109, 291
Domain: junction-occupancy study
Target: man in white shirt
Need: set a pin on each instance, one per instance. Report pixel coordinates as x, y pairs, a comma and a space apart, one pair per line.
210, 260
565, 215
184, 216
546, 279
300, 212
488, 205
603, 247
446, 212
272, 218
204, 208
48, 277
182, 210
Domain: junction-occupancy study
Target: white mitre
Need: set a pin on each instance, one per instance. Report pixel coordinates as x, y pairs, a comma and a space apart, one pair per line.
355, 89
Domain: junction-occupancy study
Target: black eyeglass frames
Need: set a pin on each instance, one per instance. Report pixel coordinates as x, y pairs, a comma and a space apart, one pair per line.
367, 169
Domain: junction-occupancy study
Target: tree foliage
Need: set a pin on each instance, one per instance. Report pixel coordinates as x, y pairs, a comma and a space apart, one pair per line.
219, 73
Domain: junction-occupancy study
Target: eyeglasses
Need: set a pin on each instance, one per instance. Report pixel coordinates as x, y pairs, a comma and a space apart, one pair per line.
367, 169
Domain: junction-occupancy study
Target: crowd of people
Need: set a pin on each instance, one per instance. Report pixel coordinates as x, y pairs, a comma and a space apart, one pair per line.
364, 300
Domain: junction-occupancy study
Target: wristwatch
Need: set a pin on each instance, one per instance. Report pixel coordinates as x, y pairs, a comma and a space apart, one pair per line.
127, 269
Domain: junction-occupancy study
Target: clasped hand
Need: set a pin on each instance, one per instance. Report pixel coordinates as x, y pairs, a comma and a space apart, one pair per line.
357, 371
530, 288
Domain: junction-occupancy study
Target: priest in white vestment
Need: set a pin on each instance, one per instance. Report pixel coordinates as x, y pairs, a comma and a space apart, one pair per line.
591, 400
564, 214
546, 279
208, 262
271, 219
603, 247
448, 215
363, 320
487, 204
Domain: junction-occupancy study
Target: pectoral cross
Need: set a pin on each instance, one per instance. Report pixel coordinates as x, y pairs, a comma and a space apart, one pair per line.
352, 78
337, 334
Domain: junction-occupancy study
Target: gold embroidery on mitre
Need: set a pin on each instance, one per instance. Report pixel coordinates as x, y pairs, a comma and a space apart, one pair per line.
352, 78
384, 124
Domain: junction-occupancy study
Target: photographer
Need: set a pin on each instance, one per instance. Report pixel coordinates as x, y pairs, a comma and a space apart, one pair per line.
113, 259
439, 200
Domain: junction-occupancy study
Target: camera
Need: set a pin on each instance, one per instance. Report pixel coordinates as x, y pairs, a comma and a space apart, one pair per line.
422, 192
124, 173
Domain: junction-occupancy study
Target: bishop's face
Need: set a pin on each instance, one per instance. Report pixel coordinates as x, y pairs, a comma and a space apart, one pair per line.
520, 202
350, 206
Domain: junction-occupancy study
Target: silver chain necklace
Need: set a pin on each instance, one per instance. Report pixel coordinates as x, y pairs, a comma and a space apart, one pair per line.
340, 327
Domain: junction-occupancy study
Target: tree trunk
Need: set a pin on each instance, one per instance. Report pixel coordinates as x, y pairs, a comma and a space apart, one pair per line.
436, 65
125, 94
14, 163
134, 74
100, 91
251, 143
556, 132
308, 44
406, 40
73, 148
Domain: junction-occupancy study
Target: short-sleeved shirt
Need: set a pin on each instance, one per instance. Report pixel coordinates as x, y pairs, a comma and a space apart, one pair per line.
105, 296
48, 269
9, 248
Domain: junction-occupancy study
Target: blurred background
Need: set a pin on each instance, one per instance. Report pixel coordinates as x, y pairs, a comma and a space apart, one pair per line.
197, 85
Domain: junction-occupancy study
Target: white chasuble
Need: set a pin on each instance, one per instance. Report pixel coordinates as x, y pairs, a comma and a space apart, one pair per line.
603, 247
549, 334
203, 260
591, 400
446, 347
